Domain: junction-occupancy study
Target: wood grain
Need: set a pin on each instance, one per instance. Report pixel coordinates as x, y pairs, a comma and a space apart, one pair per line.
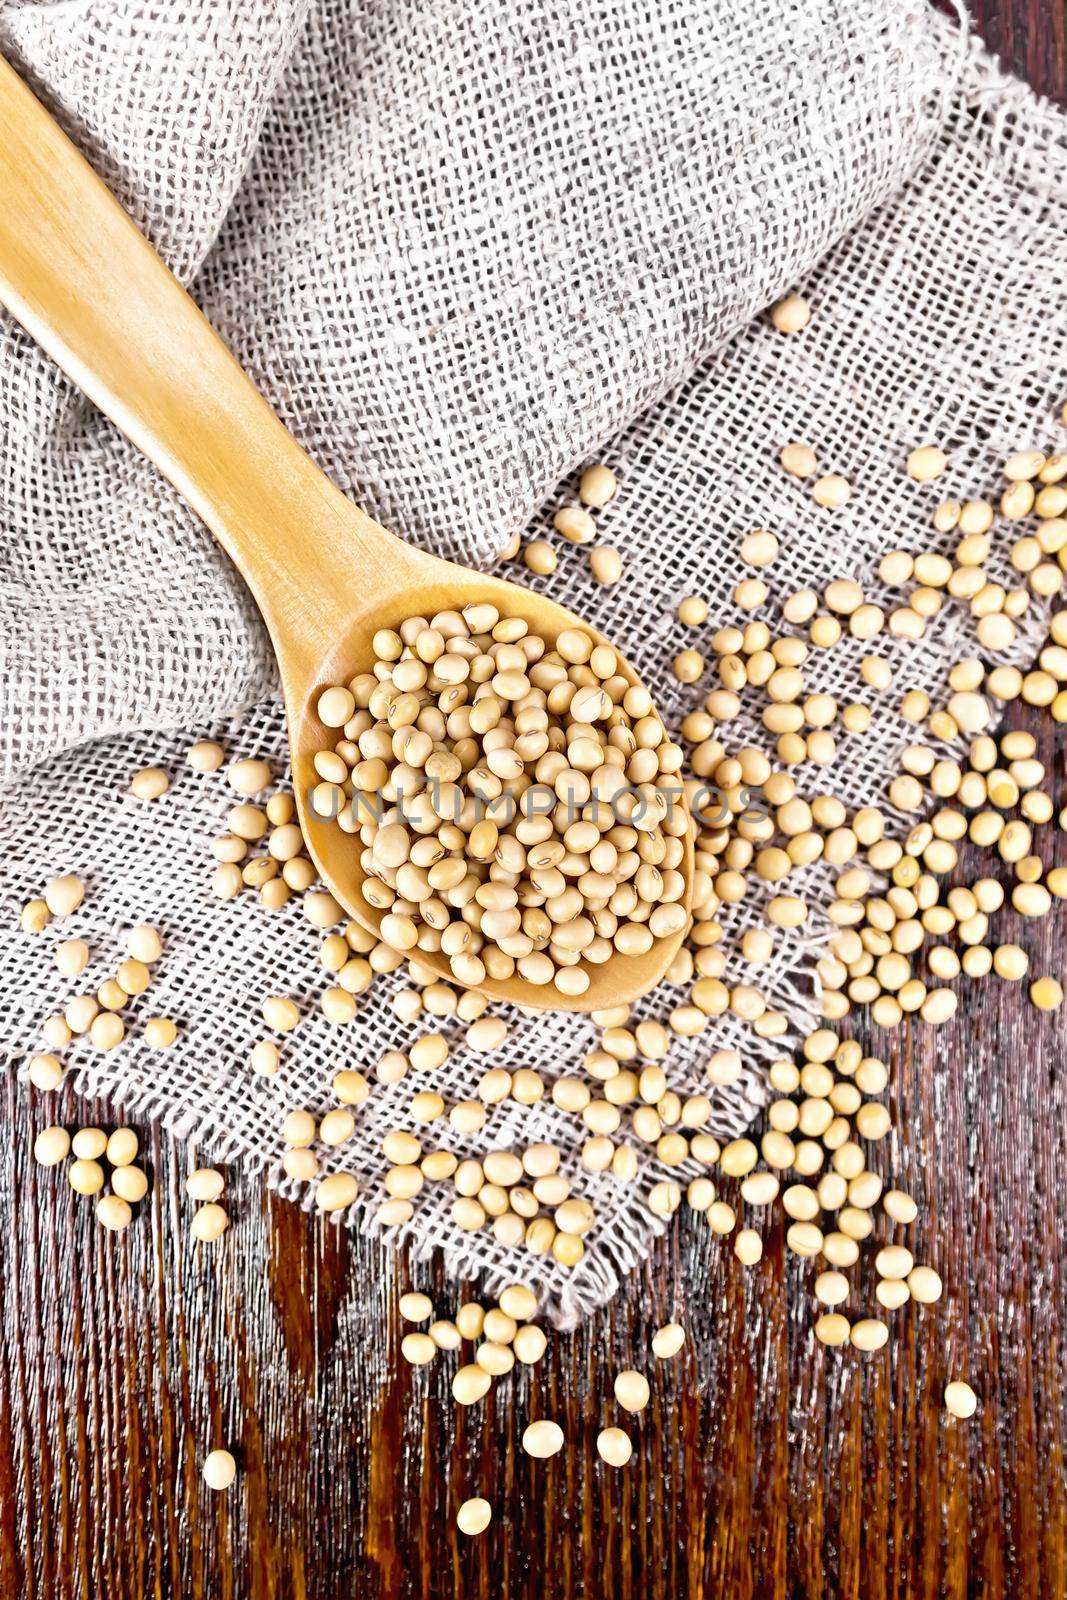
766, 1467
1030, 37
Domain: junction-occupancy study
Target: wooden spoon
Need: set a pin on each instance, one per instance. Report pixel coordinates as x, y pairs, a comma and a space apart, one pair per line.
77, 274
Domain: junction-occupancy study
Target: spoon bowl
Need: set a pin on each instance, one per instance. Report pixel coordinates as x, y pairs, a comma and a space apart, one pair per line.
433, 585
75, 271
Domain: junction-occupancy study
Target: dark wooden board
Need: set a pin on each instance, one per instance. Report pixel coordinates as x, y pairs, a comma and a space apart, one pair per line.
766, 1467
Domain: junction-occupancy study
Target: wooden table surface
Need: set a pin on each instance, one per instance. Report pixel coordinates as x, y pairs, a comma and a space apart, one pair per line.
766, 1466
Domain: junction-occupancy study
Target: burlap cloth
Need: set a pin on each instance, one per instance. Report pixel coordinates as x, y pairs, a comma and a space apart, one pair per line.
464, 250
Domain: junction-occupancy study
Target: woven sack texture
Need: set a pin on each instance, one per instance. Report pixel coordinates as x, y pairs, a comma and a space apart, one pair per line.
938, 315
456, 247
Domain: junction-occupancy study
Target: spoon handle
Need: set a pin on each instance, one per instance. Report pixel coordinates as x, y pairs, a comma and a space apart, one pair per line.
79, 276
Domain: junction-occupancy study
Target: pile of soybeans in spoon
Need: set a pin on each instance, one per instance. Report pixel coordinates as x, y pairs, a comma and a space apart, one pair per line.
518, 801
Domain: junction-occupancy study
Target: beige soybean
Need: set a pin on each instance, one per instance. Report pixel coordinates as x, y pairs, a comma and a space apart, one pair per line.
631, 1390
575, 524
791, 314
831, 491
300, 1164
542, 1439
517, 1301
337, 1127
926, 463
597, 485
605, 563
960, 1399
924, 1284
144, 943
417, 1349
264, 1058
160, 1032
474, 1516
34, 917
209, 1223
130, 1183
85, 1176
540, 557
107, 1031
899, 1206
529, 1344
496, 1359
831, 1288
445, 1335
892, 1293
1046, 994
149, 783
470, 1319
51, 1146
219, 1470
1011, 962
869, 1334
56, 1033
692, 611
893, 1261
280, 1013
113, 1213
298, 1128
122, 1147
614, 1447
798, 459
72, 957
759, 548
89, 1143
486, 1034
721, 1217
249, 777
748, 1246
205, 756
668, 1340
205, 1183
